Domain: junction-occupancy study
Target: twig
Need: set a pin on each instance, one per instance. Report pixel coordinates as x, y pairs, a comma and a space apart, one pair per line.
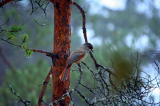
61, 98
43, 89
80, 76
83, 20
94, 60
89, 89
50, 54
83, 97
5, 40
25, 102
42, 5
100, 66
32, 10
93, 73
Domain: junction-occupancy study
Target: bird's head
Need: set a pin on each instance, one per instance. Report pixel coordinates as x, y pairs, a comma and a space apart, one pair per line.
88, 47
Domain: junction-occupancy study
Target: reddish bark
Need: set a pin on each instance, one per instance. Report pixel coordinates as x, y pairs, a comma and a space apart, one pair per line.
62, 35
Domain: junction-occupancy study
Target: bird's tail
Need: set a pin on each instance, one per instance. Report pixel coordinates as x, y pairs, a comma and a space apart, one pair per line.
65, 74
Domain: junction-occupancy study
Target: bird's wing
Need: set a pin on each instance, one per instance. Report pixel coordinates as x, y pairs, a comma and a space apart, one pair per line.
76, 57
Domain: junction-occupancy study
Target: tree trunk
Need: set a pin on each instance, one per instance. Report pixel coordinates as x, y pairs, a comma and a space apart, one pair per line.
62, 36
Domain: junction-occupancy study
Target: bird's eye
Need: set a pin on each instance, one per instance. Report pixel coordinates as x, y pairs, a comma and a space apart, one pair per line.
89, 46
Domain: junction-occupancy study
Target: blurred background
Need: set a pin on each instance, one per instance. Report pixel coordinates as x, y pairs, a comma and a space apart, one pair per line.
125, 35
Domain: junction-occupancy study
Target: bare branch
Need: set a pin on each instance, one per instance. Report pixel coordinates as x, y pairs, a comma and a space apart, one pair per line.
25, 102
43, 89
80, 76
83, 20
83, 97
50, 54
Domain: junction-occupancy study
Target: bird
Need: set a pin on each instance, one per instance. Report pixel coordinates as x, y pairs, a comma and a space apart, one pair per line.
76, 57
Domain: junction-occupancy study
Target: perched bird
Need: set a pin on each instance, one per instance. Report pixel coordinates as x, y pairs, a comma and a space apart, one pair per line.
76, 57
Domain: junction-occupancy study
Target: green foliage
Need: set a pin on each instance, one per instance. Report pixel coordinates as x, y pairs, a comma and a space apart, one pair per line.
14, 36
11, 33
122, 66
28, 52
24, 45
15, 28
26, 82
25, 37
11, 36
122, 60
